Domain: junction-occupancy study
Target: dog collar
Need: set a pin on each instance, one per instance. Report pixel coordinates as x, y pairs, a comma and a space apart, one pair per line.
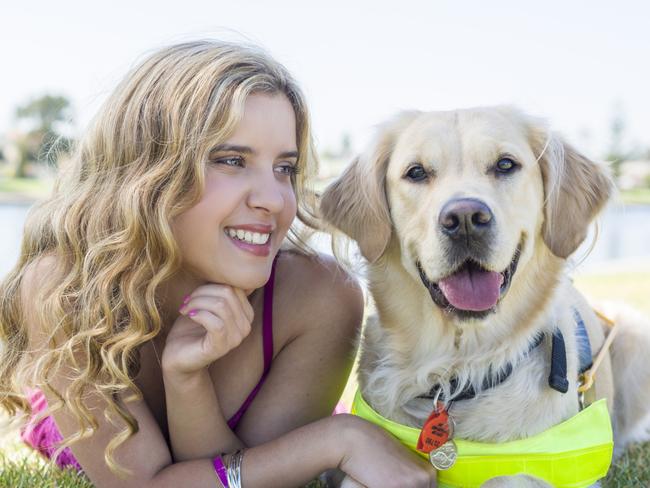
490, 381
573, 454
558, 375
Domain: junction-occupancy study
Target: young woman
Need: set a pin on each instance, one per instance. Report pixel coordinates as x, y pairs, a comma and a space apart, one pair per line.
153, 310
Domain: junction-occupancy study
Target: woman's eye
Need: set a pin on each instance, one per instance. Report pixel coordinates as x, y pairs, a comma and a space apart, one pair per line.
505, 165
287, 169
416, 173
230, 161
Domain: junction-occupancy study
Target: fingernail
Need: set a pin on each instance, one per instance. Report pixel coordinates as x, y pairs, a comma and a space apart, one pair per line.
182, 308
192, 313
186, 299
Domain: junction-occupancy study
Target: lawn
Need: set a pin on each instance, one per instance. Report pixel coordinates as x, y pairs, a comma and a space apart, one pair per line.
20, 467
15, 189
23, 185
636, 196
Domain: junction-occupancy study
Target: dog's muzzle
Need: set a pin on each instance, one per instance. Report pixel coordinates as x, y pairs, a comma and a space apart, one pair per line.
471, 290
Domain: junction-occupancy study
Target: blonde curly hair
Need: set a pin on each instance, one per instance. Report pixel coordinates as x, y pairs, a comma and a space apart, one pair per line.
107, 223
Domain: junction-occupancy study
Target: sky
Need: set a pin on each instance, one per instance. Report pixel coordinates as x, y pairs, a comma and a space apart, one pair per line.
577, 63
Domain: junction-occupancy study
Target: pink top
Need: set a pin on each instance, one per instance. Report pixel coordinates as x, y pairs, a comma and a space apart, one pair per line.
44, 436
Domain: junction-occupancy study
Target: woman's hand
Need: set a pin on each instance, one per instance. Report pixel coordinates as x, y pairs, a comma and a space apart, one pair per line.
375, 459
213, 320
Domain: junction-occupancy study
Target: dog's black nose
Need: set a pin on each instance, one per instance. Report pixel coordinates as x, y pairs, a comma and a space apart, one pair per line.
464, 217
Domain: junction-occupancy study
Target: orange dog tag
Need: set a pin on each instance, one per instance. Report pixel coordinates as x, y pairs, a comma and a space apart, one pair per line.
436, 430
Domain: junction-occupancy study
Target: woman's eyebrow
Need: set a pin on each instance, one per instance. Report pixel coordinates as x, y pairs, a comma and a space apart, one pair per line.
289, 154
233, 148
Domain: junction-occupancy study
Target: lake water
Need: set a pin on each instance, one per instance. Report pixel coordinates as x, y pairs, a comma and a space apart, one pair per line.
624, 237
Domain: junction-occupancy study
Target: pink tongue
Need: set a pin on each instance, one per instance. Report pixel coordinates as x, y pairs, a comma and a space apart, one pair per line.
472, 289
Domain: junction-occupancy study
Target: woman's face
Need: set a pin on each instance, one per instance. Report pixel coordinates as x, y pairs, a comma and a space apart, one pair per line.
232, 235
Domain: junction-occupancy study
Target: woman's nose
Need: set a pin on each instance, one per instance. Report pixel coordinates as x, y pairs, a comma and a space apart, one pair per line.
267, 193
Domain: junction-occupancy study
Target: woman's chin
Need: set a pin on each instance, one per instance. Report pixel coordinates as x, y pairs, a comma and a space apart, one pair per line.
250, 281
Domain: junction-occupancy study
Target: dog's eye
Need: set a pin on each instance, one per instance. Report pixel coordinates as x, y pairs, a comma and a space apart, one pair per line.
416, 173
505, 165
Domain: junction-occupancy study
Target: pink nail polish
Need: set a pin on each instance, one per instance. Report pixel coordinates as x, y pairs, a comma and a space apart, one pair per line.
186, 299
192, 313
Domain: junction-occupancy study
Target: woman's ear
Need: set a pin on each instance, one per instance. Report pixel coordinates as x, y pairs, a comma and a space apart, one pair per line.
575, 190
356, 202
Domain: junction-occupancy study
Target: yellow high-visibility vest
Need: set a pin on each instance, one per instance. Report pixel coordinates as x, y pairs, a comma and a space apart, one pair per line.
573, 454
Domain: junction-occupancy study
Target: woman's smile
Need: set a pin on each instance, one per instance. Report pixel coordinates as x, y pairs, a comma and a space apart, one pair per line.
255, 239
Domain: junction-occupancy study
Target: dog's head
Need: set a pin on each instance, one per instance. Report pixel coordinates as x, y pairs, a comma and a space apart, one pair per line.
468, 196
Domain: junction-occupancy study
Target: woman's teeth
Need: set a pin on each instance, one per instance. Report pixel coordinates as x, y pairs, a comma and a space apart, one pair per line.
248, 237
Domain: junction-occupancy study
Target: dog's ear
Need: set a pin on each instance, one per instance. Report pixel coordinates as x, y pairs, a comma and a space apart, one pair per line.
356, 202
575, 190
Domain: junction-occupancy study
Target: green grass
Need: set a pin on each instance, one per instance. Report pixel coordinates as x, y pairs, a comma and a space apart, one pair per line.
631, 287
632, 470
25, 474
636, 196
21, 467
29, 187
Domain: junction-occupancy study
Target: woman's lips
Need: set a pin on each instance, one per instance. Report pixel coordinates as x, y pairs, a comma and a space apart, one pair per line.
255, 249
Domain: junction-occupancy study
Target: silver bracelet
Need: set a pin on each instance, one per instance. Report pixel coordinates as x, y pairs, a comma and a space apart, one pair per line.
234, 469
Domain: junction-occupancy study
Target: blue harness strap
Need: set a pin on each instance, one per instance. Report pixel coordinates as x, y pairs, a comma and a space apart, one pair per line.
584, 346
558, 377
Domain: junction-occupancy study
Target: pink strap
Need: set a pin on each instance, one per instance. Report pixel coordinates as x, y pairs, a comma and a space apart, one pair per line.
220, 469
267, 337
267, 320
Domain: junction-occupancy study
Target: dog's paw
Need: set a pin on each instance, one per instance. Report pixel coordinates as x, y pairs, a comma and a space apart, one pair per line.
519, 481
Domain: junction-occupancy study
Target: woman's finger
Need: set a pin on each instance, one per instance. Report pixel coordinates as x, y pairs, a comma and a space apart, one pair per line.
240, 314
218, 306
218, 340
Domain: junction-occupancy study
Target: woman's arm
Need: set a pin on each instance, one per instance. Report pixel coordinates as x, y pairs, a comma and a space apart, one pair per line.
362, 450
197, 427
291, 460
213, 320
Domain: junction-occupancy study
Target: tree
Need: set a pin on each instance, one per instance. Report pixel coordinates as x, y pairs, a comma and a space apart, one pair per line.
44, 141
617, 127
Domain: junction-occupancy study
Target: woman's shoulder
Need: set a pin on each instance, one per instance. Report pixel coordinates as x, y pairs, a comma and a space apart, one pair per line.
38, 278
305, 274
317, 287
40, 271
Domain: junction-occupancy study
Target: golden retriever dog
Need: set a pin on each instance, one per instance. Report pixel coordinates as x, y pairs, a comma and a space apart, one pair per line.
466, 219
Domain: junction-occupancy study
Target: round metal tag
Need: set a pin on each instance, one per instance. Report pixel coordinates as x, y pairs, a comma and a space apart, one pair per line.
445, 456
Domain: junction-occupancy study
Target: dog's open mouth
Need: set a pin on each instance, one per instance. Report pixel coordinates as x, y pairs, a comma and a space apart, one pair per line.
471, 290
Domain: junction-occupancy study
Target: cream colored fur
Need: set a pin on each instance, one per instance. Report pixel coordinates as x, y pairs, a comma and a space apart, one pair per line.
412, 344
